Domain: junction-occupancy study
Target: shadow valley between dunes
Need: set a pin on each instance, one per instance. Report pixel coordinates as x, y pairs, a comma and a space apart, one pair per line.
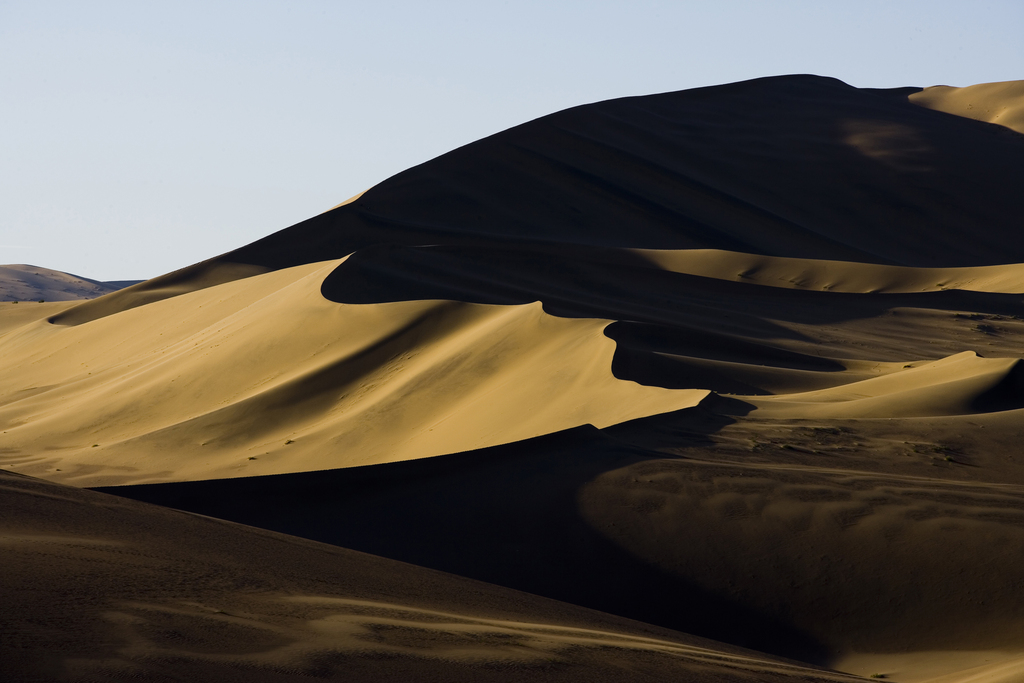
810, 561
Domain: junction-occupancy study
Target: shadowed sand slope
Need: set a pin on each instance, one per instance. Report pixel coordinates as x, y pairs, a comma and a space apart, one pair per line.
792, 166
101, 588
797, 166
742, 362
819, 541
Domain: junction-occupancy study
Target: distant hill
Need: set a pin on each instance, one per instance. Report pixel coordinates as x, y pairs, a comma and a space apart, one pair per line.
22, 282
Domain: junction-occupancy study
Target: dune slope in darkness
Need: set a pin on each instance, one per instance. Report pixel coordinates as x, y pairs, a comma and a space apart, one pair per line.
742, 362
100, 588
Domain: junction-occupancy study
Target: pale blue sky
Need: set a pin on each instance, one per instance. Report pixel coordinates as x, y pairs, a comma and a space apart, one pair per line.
140, 137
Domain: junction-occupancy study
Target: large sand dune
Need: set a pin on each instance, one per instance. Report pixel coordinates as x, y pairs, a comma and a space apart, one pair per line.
325, 385
740, 362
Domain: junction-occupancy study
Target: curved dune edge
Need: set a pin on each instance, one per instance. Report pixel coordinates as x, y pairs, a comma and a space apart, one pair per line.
264, 376
835, 276
1000, 103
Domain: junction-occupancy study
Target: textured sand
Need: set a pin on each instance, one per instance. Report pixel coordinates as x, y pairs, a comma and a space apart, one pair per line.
739, 362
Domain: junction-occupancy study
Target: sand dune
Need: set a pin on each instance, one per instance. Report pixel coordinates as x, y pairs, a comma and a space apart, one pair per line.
739, 362
325, 386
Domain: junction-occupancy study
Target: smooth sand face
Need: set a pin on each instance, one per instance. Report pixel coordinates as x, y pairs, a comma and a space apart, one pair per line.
742, 362
999, 103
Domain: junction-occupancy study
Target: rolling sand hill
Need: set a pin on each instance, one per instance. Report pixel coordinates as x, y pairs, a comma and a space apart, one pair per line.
741, 364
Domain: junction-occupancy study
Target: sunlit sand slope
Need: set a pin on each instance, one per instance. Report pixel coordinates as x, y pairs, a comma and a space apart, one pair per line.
1000, 103
265, 375
101, 588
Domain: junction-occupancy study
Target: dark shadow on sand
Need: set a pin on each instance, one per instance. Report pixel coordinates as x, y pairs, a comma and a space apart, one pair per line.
506, 515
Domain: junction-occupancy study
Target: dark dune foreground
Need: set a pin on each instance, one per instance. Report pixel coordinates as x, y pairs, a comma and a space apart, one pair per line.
101, 588
742, 362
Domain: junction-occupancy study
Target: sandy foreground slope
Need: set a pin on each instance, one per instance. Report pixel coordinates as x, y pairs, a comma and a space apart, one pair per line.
101, 588
741, 362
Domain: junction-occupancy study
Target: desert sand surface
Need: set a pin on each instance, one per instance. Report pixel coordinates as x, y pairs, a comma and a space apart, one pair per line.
102, 588
21, 282
998, 103
739, 363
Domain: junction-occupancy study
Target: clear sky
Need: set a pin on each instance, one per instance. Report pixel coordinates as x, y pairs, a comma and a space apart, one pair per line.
140, 137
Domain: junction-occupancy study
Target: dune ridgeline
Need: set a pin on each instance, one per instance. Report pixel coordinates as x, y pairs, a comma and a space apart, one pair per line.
722, 384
